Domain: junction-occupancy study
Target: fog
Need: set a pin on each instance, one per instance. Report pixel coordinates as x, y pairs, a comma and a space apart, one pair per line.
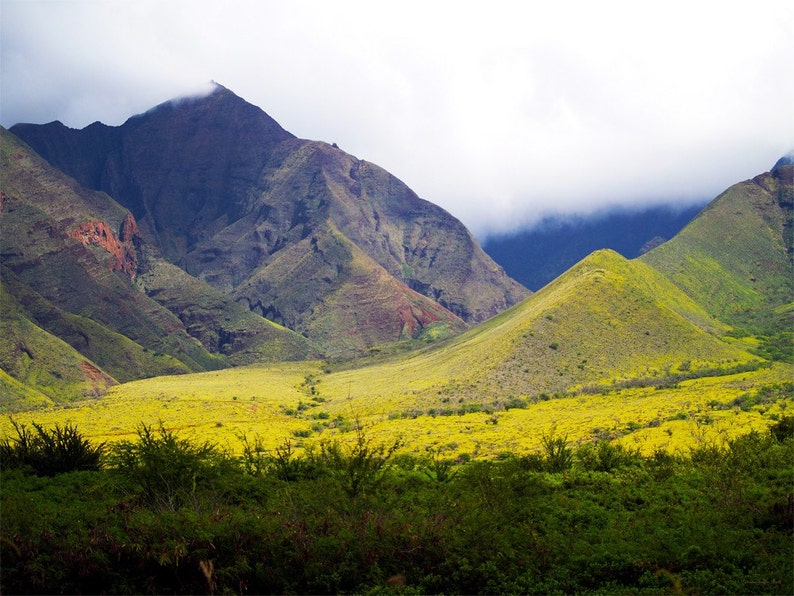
503, 113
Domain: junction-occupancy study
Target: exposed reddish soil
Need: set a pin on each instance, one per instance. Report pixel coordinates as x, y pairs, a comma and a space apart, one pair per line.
122, 251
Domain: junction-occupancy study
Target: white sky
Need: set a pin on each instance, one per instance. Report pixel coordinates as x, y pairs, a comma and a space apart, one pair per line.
501, 112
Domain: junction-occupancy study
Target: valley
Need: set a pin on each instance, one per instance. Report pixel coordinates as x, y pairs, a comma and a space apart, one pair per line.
235, 361
311, 291
306, 405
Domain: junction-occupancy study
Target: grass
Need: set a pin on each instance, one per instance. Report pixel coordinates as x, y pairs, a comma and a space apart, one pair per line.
275, 403
732, 258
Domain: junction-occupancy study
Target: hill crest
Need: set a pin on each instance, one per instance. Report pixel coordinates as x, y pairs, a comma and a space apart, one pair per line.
735, 258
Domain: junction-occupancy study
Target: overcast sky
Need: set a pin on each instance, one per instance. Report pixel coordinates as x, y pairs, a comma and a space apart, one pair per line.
500, 112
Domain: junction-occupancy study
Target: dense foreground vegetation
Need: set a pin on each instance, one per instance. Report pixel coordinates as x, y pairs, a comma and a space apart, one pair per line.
163, 514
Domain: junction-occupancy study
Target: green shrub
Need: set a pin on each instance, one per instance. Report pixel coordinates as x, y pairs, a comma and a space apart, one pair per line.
285, 465
783, 429
438, 468
606, 456
359, 466
50, 452
558, 454
170, 472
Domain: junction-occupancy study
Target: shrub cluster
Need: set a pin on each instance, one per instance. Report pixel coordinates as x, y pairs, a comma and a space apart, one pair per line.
165, 515
49, 452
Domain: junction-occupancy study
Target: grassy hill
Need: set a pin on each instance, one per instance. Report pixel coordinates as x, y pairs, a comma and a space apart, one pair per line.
735, 258
605, 320
610, 349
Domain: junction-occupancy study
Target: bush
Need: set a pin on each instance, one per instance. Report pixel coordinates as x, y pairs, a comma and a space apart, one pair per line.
606, 456
50, 452
718, 521
285, 465
170, 472
783, 429
559, 456
360, 466
438, 468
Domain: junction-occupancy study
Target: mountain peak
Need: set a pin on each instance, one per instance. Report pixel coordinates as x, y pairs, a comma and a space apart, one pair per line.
786, 160
288, 227
220, 110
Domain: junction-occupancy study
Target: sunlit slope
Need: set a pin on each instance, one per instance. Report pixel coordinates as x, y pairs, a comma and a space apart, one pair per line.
38, 367
615, 328
362, 303
734, 258
604, 321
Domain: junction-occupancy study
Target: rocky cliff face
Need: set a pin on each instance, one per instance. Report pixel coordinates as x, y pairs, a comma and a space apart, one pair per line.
228, 195
121, 249
68, 259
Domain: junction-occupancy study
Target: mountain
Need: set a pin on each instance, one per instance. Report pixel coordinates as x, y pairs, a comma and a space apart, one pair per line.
536, 256
736, 258
605, 321
73, 264
297, 231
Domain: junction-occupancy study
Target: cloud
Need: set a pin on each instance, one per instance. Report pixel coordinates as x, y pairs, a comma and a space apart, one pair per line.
500, 112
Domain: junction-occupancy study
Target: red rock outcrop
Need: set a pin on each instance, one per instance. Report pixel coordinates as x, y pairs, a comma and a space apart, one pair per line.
129, 229
122, 251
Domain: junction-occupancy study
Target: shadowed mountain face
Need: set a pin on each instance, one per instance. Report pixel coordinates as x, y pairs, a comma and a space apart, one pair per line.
74, 318
288, 227
536, 256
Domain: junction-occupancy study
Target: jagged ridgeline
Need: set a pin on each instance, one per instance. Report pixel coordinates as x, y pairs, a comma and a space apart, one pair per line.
75, 319
201, 235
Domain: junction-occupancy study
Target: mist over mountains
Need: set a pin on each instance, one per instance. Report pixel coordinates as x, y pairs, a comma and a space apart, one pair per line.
202, 235
537, 255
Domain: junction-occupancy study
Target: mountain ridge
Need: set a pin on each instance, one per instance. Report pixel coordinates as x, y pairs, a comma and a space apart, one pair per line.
220, 189
71, 259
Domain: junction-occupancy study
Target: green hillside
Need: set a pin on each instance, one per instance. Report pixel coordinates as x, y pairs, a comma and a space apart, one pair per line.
75, 267
606, 321
38, 368
735, 258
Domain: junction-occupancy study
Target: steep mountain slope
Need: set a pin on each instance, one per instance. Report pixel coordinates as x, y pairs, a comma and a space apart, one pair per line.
536, 256
70, 261
225, 193
605, 320
38, 367
735, 258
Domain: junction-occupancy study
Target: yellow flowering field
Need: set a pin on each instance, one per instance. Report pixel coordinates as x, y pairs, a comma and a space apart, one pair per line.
305, 403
